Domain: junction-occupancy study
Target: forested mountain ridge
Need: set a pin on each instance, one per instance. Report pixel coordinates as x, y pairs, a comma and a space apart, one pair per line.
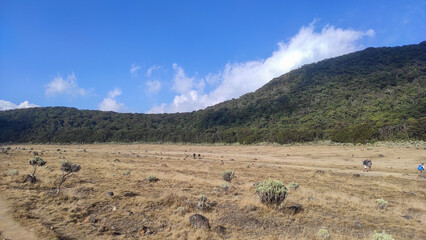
374, 94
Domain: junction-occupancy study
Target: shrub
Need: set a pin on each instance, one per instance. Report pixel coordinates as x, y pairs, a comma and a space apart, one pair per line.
228, 175
202, 202
67, 168
381, 203
35, 162
293, 185
225, 186
382, 236
271, 192
12, 172
323, 233
151, 178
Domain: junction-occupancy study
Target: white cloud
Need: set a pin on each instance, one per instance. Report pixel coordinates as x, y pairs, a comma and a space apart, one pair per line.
151, 69
134, 69
6, 105
158, 109
60, 85
236, 79
154, 86
110, 103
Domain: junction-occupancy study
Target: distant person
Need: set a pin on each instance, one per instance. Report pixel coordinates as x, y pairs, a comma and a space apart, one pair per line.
421, 168
367, 165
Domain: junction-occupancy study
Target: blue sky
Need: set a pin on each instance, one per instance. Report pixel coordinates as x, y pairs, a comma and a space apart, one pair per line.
177, 56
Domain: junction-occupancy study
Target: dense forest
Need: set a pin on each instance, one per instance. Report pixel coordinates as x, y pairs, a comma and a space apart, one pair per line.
366, 96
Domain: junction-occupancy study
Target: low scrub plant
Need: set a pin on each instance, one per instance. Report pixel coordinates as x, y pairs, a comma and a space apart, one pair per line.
151, 178
293, 185
12, 172
228, 175
202, 203
381, 203
225, 186
68, 168
271, 192
382, 236
323, 233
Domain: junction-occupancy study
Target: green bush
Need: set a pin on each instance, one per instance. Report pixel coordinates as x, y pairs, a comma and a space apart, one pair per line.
323, 233
228, 175
225, 186
382, 236
381, 203
271, 192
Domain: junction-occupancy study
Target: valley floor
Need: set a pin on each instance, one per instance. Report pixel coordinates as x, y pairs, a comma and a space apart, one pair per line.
334, 192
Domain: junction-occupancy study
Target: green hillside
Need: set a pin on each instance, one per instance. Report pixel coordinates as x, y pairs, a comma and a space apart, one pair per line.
370, 95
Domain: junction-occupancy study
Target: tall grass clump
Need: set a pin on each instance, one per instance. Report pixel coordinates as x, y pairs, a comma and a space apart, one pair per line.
271, 192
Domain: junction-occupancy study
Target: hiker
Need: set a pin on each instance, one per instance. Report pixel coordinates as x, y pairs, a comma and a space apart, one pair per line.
421, 168
367, 165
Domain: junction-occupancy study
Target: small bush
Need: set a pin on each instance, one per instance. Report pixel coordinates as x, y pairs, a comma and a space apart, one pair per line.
225, 186
202, 203
323, 233
382, 236
35, 162
271, 192
228, 175
12, 172
293, 185
151, 178
67, 168
381, 203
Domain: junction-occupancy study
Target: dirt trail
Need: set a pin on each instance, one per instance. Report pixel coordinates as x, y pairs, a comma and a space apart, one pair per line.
9, 228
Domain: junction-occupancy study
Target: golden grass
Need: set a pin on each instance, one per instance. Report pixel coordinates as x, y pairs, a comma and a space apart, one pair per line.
332, 198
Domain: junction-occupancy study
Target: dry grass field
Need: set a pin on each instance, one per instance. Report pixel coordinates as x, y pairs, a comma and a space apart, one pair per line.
334, 193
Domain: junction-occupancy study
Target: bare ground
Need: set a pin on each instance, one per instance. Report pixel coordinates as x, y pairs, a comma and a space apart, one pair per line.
334, 193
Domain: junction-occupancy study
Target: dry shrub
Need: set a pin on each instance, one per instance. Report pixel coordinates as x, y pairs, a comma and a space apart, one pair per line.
271, 192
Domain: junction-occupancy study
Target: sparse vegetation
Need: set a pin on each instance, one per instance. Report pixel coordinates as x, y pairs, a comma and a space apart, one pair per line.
225, 186
293, 185
381, 203
151, 178
271, 192
228, 175
67, 169
382, 236
323, 233
12, 172
98, 202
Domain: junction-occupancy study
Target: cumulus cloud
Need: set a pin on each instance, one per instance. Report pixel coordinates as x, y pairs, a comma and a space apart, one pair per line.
236, 79
6, 105
134, 69
110, 103
59, 85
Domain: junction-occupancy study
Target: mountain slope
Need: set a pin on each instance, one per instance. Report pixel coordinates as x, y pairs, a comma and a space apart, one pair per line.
374, 94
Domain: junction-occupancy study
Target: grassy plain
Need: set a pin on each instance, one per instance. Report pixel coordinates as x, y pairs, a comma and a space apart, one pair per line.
334, 192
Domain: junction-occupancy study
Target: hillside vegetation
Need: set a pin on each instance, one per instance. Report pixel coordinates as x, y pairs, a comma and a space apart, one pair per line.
366, 96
